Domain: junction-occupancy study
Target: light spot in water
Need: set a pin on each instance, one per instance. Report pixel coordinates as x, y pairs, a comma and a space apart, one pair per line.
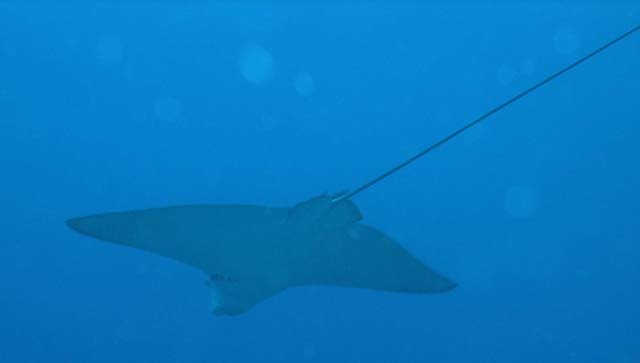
256, 65
167, 108
565, 41
520, 201
309, 351
126, 330
110, 50
528, 67
266, 123
304, 84
506, 75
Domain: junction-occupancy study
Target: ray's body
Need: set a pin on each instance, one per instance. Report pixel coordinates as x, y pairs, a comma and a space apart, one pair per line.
252, 252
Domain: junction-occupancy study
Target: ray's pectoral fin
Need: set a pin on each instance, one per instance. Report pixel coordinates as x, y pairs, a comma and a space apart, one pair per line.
352, 254
364, 257
235, 245
389, 266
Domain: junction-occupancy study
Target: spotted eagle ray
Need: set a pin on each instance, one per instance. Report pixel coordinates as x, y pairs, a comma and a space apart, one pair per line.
253, 252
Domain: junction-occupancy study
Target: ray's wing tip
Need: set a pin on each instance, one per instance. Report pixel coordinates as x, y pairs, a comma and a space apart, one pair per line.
443, 285
75, 224
451, 285
72, 223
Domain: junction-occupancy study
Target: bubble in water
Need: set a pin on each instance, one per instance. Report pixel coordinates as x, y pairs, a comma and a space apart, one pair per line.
309, 351
506, 75
267, 123
565, 41
126, 330
256, 65
304, 84
167, 108
520, 201
110, 50
528, 67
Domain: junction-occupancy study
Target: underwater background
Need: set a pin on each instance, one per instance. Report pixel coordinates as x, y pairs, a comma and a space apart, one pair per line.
114, 105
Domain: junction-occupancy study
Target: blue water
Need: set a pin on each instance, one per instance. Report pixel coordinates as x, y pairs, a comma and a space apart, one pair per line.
107, 107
